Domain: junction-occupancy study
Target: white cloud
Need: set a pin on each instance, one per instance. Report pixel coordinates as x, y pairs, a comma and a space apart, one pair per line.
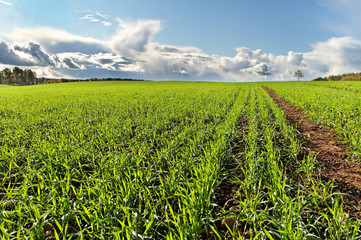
51, 73
335, 56
106, 24
102, 15
109, 61
98, 18
131, 52
56, 40
6, 2
134, 37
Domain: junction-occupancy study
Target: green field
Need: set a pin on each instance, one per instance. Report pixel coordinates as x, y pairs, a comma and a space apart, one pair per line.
333, 104
150, 160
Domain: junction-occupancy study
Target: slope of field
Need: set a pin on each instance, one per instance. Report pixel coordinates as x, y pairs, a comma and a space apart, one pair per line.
158, 160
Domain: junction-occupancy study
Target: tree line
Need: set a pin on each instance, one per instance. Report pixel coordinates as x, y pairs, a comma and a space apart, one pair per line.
18, 76
341, 77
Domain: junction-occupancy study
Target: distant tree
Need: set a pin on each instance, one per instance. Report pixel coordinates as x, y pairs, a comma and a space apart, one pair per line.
17, 76
6, 76
298, 74
320, 79
345, 77
30, 77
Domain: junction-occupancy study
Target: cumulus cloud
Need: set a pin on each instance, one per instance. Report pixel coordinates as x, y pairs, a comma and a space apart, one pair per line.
134, 37
24, 55
56, 40
70, 64
34, 51
8, 56
335, 56
108, 61
131, 52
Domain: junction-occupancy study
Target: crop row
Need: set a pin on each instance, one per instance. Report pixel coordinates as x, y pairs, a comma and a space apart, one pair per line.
111, 160
280, 194
350, 86
336, 107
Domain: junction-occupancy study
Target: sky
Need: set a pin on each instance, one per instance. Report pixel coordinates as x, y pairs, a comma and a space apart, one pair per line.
212, 40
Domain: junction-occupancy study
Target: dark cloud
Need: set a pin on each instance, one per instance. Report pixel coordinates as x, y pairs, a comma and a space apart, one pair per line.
33, 53
263, 70
8, 56
75, 46
106, 61
70, 64
168, 49
34, 50
93, 71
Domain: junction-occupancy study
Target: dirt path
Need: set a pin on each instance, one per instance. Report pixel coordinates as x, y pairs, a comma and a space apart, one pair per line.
331, 155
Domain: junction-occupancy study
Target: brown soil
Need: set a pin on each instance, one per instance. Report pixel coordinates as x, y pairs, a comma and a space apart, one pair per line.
331, 155
227, 195
226, 201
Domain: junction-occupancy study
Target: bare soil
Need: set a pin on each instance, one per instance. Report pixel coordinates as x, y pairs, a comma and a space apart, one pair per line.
228, 195
332, 155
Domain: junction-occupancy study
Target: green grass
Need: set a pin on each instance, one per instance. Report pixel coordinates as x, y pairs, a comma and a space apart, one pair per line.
351, 86
143, 160
337, 108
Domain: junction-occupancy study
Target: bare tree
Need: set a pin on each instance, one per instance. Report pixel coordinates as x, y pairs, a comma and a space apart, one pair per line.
298, 74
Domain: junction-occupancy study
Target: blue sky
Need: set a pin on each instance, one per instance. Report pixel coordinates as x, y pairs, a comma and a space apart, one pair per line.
222, 40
